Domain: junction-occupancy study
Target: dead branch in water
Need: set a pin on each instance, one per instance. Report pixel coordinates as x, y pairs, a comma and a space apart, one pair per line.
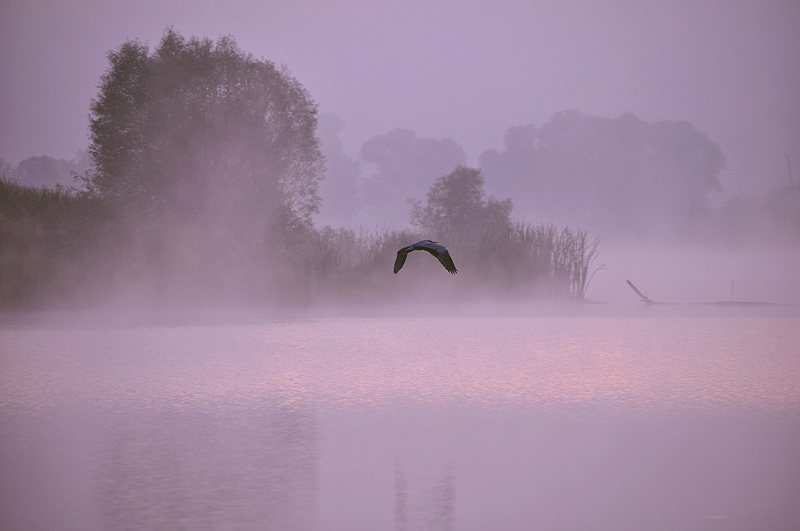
647, 300
644, 298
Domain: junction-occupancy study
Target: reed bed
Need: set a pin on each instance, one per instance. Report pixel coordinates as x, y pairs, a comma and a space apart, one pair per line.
66, 248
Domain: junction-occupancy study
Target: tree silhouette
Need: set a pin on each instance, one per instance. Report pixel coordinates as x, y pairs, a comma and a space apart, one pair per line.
615, 175
195, 128
457, 207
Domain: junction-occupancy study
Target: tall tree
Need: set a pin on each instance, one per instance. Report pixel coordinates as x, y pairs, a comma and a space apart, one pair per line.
201, 128
457, 207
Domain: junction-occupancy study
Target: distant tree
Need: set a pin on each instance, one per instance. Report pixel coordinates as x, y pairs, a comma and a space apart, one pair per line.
515, 164
687, 165
7, 171
340, 191
46, 172
457, 207
201, 128
614, 175
405, 165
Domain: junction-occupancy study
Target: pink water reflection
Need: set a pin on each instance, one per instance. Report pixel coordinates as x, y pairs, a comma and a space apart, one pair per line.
726, 362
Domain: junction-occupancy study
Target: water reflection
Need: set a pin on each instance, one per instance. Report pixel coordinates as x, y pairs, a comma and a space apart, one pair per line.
405, 424
425, 502
243, 469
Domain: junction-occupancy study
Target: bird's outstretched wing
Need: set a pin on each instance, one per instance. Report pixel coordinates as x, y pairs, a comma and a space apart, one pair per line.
441, 253
400, 260
447, 262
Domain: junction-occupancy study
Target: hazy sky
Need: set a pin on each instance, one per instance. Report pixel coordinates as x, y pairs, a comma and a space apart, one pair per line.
463, 69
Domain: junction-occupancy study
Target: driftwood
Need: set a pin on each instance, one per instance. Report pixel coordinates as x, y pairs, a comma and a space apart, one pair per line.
643, 297
647, 300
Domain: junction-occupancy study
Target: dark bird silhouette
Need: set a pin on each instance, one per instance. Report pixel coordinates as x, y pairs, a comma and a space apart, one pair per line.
439, 251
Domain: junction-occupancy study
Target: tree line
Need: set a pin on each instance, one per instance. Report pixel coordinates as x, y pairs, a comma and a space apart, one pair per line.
205, 179
66, 248
622, 177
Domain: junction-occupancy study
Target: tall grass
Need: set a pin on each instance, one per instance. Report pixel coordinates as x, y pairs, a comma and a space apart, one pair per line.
537, 261
45, 236
64, 247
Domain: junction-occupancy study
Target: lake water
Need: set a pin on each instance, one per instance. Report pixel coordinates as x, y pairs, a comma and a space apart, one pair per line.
652, 420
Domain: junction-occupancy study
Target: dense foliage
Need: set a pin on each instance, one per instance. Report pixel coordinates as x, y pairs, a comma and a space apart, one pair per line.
48, 239
457, 208
196, 125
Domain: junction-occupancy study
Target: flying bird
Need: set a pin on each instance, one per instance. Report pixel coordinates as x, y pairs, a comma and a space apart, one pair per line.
439, 251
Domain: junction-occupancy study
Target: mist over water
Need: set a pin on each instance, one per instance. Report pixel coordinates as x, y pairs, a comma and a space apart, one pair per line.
681, 274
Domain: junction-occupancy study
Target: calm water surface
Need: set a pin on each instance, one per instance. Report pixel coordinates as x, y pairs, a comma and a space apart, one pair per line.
403, 423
